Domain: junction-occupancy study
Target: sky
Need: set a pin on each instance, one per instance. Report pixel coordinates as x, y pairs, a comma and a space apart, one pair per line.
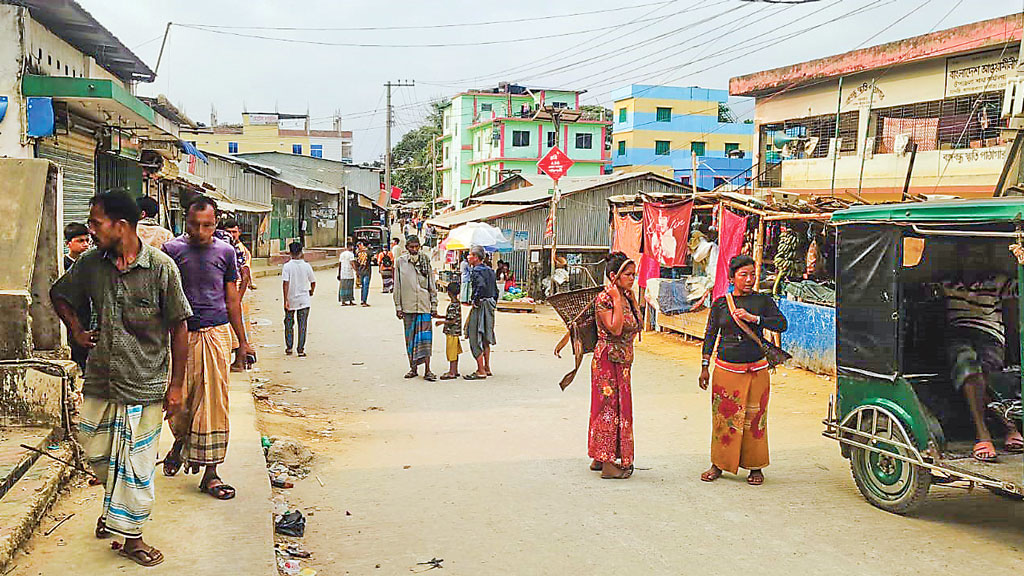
323, 64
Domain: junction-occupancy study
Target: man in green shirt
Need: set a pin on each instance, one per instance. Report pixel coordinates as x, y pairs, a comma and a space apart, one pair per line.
141, 309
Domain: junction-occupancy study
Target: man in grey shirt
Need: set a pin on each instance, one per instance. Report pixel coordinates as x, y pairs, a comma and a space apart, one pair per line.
140, 305
416, 305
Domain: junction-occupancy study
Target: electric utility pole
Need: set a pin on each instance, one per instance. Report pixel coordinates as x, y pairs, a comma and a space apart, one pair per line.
390, 122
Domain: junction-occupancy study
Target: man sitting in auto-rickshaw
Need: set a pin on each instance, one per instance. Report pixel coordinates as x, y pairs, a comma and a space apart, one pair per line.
976, 346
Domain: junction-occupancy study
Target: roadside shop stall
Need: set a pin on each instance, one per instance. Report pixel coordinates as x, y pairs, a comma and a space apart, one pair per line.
683, 244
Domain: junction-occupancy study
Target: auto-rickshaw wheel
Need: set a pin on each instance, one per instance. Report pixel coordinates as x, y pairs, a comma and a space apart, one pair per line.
889, 483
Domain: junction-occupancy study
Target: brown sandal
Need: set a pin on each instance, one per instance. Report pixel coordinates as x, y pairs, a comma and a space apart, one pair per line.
101, 529
596, 466
711, 474
622, 473
755, 478
143, 555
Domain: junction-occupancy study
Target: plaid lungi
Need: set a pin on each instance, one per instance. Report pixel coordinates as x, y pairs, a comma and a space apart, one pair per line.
418, 337
203, 423
346, 292
120, 443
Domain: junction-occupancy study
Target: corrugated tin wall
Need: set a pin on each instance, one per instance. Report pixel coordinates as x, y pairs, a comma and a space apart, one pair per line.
582, 220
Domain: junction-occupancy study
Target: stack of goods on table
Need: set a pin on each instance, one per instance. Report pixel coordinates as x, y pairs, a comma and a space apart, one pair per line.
515, 294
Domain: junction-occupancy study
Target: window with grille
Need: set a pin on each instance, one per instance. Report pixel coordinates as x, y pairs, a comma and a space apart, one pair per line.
551, 139
662, 147
622, 148
584, 141
664, 115
622, 114
821, 127
520, 138
297, 149
698, 148
971, 121
232, 147
485, 107
731, 147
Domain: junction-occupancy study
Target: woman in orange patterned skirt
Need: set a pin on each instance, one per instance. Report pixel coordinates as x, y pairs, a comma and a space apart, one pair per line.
611, 404
739, 394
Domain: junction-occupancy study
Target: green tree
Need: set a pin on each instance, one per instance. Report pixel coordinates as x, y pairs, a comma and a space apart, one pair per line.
593, 112
410, 157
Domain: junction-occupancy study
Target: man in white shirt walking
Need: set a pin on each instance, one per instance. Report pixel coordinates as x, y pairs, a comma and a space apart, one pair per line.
298, 283
347, 276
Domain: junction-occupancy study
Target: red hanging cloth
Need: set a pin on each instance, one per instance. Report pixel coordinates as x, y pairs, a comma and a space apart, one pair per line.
666, 232
731, 229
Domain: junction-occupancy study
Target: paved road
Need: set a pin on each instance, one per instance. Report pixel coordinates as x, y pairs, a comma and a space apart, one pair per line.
492, 476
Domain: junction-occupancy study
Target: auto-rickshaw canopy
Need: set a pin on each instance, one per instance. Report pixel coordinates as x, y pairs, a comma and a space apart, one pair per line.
872, 271
981, 210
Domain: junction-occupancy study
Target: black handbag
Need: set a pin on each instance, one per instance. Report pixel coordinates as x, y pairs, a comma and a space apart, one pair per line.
776, 356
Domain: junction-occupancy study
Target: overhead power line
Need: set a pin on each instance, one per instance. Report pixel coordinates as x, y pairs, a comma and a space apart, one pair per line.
203, 28
433, 26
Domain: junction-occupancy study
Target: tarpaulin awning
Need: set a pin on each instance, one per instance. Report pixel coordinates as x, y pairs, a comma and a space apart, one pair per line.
188, 148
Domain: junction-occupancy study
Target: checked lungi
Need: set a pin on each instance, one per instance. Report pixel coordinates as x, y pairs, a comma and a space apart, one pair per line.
418, 337
202, 425
120, 443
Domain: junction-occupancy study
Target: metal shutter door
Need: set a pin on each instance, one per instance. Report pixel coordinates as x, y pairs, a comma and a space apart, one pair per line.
76, 154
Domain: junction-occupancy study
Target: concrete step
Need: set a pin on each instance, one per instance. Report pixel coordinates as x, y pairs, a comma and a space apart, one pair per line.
15, 460
25, 503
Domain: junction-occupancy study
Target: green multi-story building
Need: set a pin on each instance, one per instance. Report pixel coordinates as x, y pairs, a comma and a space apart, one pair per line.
489, 134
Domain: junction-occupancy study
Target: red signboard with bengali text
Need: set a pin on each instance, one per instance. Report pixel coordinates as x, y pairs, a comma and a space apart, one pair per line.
555, 164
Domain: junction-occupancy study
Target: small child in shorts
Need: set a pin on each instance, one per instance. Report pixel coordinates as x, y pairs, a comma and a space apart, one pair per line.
452, 322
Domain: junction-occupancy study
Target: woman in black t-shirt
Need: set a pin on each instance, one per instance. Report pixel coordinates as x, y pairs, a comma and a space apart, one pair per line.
739, 396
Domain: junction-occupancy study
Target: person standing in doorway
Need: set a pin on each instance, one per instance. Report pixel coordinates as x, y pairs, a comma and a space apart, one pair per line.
209, 271
138, 298
347, 276
363, 270
76, 237
298, 284
484, 298
149, 228
415, 305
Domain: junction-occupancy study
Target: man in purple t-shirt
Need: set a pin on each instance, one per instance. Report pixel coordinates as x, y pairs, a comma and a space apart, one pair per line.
208, 272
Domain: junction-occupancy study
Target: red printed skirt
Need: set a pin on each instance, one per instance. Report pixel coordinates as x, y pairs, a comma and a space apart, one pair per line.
611, 410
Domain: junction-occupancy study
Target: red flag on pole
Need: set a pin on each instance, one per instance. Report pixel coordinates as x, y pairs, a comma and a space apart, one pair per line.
396, 192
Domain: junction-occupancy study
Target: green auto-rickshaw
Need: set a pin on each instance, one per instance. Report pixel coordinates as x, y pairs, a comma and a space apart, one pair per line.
896, 413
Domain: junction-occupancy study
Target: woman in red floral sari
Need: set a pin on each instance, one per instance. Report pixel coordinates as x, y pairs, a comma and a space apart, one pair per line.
611, 404
739, 394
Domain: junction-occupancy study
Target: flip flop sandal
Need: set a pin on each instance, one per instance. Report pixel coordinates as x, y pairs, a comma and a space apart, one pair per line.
596, 466
173, 464
430, 377
449, 376
985, 451
143, 556
474, 376
757, 480
221, 491
1014, 445
410, 374
101, 529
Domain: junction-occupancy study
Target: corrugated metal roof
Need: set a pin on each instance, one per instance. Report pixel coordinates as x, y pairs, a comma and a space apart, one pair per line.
73, 24
540, 187
475, 213
311, 173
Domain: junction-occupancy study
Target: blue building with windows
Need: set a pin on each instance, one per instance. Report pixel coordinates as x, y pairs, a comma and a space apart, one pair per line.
659, 129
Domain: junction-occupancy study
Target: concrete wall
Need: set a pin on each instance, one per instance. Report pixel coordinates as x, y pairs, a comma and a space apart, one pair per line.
29, 397
12, 32
964, 172
811, 337
31, 252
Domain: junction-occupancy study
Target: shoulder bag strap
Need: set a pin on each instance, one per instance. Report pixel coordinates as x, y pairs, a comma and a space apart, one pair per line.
743, 325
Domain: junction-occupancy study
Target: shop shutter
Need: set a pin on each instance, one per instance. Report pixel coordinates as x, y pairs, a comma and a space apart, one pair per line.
76, 154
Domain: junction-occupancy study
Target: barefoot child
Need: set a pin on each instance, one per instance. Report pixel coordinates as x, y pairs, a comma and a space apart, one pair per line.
452, 322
